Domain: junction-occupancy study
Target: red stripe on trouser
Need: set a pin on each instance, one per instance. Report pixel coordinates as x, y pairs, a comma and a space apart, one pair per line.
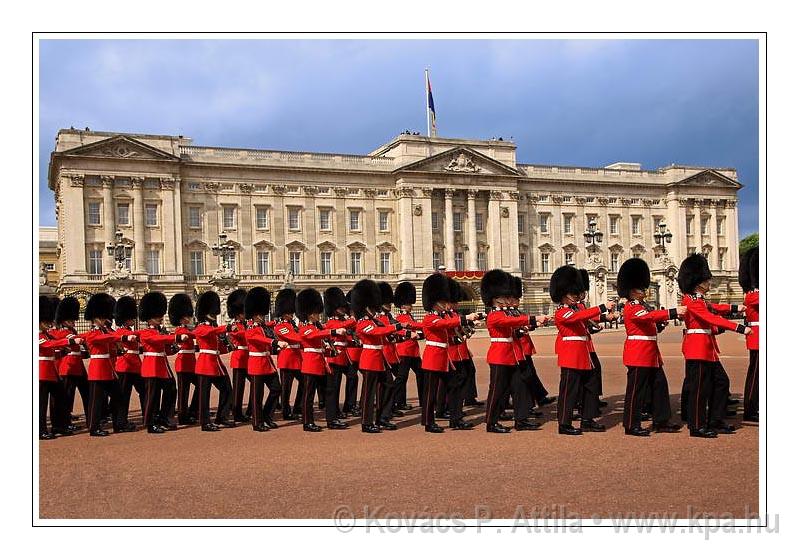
753, 380
562, 397
697, 397
492, 390
633, 397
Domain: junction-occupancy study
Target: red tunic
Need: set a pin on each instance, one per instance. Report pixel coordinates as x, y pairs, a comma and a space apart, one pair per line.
751, 316
503, 350
154, 349
128, 361
702, 325
259, 346
641, 345
353, 347
572, 343
185, 360
101, 343
438, 331
311, 338
71, 361
389, 351
290, 357
371, 332
340, 341
238, 339
207, 336
47, 355
408, 348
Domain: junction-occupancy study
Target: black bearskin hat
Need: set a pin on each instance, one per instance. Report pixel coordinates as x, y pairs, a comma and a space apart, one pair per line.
69, 309
235, 303
405, 294
125, 310
436, 287
748, 270
284, 302
152, 305
386, 293
516, 287
565, 280
99, 306
457, 291
633, 274
495, 283
365, 295
334, 299
256, 302
46, 311
180, 306
208, 304
308, 301
753, 263
694, 270
584, 279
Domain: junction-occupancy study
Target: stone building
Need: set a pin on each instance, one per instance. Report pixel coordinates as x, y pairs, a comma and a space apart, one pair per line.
414, 203
48, 256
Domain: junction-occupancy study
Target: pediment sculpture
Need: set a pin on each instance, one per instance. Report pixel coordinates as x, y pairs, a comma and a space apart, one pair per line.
462, 163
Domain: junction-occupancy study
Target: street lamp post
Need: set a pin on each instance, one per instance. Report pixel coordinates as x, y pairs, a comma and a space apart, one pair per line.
119, 250
663, 236
223, 249
592, 236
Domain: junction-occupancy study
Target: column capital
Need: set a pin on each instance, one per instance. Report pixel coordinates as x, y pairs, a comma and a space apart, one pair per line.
472, 194
76, 179
405, 192
137, 182
495, 195
449, 193
107, 180
514, 196
167, 183
427, 192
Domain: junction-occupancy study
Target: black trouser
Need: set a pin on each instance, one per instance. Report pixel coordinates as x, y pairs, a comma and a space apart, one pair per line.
471, 383
239, 377
535, 386
750, 395
505, 380
287, 376
453, 383
160, 401
223, 385
71, 383
52, 393
646, 385
371, 396
708, 386
685, 394
401, 379
257, 382
386, 391
575, 384
322, 383
598, 372
310, 383
351, 387
100, 393
333, 386
186, 410
127, 382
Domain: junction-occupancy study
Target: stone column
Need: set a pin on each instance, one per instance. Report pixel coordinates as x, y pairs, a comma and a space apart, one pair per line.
405, 225
449, 242
74, 210
167, 226
732, 234
714, 260
472, 233
493, 237
137, 183
424, 259
676, 223
513, 226
177, 220
108, 220
698, 231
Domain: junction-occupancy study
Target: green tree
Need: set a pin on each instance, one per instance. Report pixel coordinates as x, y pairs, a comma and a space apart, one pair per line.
748, 243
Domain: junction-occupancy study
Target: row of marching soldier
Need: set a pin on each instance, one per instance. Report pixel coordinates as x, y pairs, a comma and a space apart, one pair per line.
291, 350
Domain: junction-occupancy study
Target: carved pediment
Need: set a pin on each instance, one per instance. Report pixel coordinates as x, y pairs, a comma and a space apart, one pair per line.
296, 246
196, 244
120, 147
709, 178
356, 246
460, 161
264, 245
386, 246
546, 248
326, 246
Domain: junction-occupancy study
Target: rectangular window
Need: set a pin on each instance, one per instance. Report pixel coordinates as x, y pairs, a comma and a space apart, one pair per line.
569, 257
386, 263
128, 258
457, 221
194, 217
325, 262
523, 263
544, 221
294, 262
324, 219
123, 214
568, 224
521, 227
434, 220
437, 260
196, 263
720, 226
93, 215
95, 261
689, 224
459, 260
636, 225
545, 262
614, 262
50, 267
478, 222
355, 220
481, 260
228, 217
383, 220
721, 258
613, 225
230, 260
294, 219
355, 262
151, 214
262, 218
704, 225
152, 261
262, 262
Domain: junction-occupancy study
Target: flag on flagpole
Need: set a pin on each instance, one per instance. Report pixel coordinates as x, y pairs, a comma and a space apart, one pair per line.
431, 108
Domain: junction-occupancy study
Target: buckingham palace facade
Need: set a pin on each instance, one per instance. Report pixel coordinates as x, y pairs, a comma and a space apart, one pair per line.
397, 213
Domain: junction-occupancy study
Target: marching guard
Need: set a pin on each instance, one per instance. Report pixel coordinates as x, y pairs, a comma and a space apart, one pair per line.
748, 279
339, 363
71, 369
51, 392
350, 406
390, 354
290, 358
405, 296
238, 339
128, 364
181, 314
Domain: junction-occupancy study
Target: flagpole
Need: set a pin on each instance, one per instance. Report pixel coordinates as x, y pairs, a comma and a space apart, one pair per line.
427, 106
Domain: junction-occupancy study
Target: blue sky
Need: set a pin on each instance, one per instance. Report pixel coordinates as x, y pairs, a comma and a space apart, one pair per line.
585, 103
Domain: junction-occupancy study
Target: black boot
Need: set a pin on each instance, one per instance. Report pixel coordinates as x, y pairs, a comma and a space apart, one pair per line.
497, 429
337, 425
370, 429
592, 426
434, 429
637, 431
702, 433
569, 430
311, 428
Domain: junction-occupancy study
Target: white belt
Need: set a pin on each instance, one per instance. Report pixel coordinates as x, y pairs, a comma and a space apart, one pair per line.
47, 358
205, 351
340, 344
372, 346
99, 356
133, 352
241, 347
185, 351
697, 331
154, 354
574, 338
495, 339
74, 354
753, 324
295, 346
314, 350
259, 354
642, 337
434, 343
